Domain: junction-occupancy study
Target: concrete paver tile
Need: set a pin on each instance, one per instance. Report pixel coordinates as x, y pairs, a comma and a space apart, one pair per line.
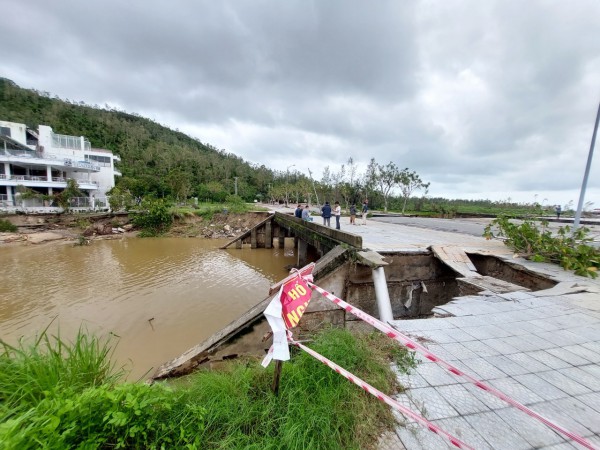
497, 432
432, 403
565, 322
528, 343
483, 331
491, 401
546, 326
389, 441
458, 335
558, 338
516, 296
481, 369
593, 369
562, 446
592, 400
584, 352
415, 437
441, 351
537, 384
460, 351
422, 324
501, 346
507, 366
585, 334
530, 429
412, 380
480, 349
525, 360
437, 336
436, 375
550, 360
516, 390
568, 356
583, 377
461, 399
593, 345
406, 400
564, 383
582, 419
521, 328
467, 321
460, 428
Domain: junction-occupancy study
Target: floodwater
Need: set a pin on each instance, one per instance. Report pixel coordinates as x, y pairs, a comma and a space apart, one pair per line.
160, 296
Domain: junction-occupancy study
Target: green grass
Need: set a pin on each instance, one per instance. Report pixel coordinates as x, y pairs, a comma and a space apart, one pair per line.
63, 395
207, 210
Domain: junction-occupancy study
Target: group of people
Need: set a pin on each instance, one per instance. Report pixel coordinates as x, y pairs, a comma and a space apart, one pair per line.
303, 213
327, 211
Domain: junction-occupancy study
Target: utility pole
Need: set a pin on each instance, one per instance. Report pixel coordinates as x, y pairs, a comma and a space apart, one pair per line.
235, 184
313, 183
587, 172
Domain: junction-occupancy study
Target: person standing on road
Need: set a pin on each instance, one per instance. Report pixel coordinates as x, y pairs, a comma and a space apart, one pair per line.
558, 210
352, 214
365, 209
326, 214
337, 212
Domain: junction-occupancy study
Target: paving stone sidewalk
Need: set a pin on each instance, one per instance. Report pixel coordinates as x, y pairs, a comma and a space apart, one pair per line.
540, 348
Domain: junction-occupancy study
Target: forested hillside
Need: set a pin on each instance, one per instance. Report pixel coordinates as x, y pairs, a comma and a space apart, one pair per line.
154, 158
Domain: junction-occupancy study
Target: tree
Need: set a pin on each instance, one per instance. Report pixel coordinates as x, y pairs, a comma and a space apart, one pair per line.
179, 183
71, 191
370, 177
387, 178
409, 182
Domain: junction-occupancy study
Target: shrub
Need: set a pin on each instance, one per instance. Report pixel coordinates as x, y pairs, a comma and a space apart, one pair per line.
567, 248
7, 227
154, 219
120, 200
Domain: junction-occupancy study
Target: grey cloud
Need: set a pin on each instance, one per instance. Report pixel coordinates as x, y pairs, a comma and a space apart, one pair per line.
472, 95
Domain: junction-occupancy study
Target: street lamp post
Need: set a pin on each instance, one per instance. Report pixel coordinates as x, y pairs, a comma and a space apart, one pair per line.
587, 172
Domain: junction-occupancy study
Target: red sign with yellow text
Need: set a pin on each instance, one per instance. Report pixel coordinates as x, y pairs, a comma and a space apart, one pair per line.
295, 296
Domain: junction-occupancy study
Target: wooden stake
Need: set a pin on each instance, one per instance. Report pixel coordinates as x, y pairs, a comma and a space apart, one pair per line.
277, 376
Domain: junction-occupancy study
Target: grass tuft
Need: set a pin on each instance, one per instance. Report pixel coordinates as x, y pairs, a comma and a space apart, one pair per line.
56, 394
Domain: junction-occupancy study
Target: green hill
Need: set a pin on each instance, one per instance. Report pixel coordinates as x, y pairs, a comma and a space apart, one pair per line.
154, 158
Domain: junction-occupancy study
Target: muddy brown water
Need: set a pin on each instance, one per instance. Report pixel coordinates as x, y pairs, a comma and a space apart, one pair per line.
159, 296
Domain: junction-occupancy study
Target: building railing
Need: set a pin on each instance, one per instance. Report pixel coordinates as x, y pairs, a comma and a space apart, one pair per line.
82, 204
70, 142
43, 178
68, 162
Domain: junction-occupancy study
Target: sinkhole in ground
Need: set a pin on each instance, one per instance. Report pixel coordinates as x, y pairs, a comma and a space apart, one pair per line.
418, 282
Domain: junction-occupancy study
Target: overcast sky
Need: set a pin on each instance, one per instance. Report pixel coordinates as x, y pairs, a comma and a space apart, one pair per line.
484, 99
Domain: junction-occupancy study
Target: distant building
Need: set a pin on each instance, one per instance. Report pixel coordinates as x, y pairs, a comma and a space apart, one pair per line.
43, 161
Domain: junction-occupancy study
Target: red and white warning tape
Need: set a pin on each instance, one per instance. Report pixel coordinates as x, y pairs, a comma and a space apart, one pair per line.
381, 396
415, 346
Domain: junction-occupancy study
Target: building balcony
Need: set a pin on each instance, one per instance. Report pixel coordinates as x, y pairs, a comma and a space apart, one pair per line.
42, 181
47, 159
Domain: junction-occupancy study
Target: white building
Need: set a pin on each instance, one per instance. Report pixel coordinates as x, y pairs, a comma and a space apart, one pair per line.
43, 161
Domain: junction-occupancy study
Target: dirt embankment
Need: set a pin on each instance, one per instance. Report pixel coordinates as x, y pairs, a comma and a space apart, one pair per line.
40, 228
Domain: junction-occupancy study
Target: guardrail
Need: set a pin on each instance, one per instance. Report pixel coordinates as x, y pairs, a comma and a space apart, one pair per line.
43, 179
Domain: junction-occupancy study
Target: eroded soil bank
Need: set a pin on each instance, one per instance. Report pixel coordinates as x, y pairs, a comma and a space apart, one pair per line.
82, 228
